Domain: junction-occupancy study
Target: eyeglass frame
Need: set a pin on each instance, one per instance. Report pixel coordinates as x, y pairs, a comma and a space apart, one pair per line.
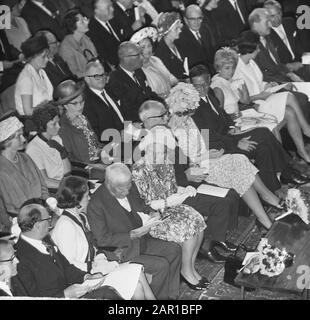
195, 19
159, 116
134, 55
99, 76
50, 218
9, 260
76, 103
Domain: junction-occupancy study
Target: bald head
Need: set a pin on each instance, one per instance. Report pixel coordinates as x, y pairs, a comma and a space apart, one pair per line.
103, 10
95, 76
259, 21
5, 249
150, 108
130, 56
193, 8
193, 17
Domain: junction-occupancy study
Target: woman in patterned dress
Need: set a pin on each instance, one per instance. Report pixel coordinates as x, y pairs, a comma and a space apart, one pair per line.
155, 179
225, 170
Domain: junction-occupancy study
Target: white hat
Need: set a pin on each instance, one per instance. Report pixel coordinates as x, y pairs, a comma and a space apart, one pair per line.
8, 127
148, 32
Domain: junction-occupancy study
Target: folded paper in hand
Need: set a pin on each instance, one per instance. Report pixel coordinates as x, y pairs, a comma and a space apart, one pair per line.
212, 190
90, 283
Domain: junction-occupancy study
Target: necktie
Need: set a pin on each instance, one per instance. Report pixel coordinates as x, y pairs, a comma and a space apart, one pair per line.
198, 37
49, 248
239, 11
106, 99
136, 79
211, 105
272, 50
112, 31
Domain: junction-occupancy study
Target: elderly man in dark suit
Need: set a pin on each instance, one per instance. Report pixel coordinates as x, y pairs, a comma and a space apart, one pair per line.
284, 36
258, 144
101, 110
42, 270
115, 222
195, 40
103, 33
40, 14
128, 83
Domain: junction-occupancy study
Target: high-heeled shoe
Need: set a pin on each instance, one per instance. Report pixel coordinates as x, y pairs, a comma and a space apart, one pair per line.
204, 281
198, 286
262, 229
280, 207
302, 158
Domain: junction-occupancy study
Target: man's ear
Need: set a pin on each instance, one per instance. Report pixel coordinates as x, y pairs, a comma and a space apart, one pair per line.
4, 271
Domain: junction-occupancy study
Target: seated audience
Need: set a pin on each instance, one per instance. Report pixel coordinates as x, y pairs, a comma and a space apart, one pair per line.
169, 28
8, 264
101, 32
19, 32
283, 106
125, 18
128, 82
114, 221
284, 35
77, 135
220, 212
46, 149
101, 110
155, 179
42, 270
73, 238
259, 144
158, 76
33, 85
195, 39
76, 48
43, 14
56, 68
20, 179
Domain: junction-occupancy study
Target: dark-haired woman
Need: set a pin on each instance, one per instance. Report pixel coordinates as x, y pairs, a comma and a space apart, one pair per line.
46, 149
249, 72
76, 48
33, 85
72, 236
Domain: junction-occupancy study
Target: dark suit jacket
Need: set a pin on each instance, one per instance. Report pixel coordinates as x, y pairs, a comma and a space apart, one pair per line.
37, 19
59, 71
110, 223
105, 43
124, 89
271, 71
229, 21
170, 60
100, 115
218, 125
284, 54
41, 276
196, 53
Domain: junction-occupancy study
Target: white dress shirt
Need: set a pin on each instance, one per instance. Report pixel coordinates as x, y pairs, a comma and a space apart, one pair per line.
282, 34
234, 3
105, 25
110, 100
42, 6
36, 243
124, 203
4, 287
207, 100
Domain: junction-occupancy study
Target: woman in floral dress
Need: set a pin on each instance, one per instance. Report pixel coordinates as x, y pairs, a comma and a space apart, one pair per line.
155, 180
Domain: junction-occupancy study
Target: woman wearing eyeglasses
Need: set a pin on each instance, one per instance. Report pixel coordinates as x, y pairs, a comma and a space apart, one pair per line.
79, 138
77, 48
20, 179
73, 237
8, 267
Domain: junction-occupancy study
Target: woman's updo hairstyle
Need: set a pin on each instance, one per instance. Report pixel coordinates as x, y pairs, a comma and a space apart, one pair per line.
247, 42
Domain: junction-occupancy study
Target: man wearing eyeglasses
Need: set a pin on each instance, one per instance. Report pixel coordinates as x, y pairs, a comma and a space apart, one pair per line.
128, 83
43, 271
56, 68
195, 39
8, 265
102, 111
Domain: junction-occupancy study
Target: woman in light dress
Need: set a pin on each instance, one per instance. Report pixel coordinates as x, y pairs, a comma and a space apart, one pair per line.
158, 76
233, 171
73, 238
283, 106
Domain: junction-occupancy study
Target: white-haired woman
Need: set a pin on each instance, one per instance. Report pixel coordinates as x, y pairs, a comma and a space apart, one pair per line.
155, 179
283, 106
158, 76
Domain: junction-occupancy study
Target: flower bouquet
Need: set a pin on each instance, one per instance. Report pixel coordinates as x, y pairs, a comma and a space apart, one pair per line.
183, 98
298, 202
269, 260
